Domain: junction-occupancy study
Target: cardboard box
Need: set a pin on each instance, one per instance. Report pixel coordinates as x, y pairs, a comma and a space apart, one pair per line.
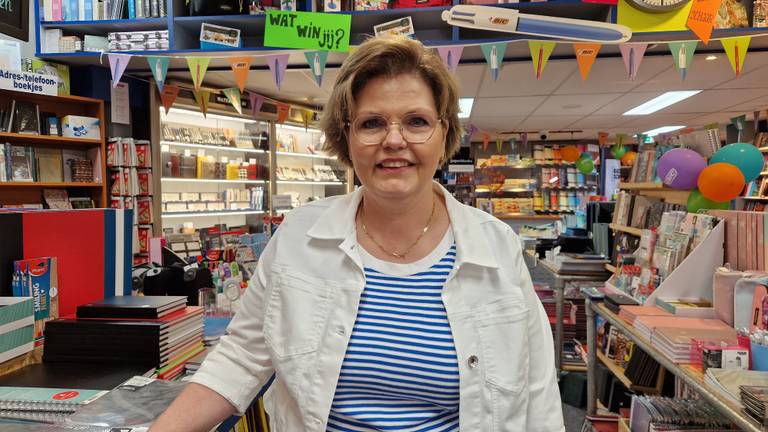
17, 325
80, 127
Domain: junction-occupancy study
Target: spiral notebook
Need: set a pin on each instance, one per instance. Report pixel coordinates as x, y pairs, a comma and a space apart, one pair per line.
46, 399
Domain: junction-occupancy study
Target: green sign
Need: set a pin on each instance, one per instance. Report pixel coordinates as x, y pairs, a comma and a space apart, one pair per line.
307, 30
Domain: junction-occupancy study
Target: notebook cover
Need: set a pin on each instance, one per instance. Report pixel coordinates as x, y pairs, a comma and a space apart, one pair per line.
742, 242
652, 322
130, 307
93, 377
759, 221
46, 396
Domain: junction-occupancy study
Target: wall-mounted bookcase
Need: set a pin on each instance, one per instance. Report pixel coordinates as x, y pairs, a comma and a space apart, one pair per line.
31, 192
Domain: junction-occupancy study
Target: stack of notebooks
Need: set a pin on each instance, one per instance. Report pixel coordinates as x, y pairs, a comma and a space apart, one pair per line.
44, 405
652, 413
754, 399
579, 263
676, 343
630, 313
727, 382
646, 325
154, 331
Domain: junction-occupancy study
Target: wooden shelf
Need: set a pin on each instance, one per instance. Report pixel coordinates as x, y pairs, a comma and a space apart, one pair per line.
642, 186
755, 198
764, 149
529, 217
611, 268
50, 184
47, 139
618, 372
629, 230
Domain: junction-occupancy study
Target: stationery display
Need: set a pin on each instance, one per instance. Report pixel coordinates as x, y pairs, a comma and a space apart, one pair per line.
138, 40
252, 198
48, 165
38, 278
653, 413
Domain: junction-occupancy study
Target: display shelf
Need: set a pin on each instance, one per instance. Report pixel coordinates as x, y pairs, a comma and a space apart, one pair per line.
610, 267
764, 149
765, 198
105, 26
212, 147
691, 376
309, 182
618, 372
574, 368
50, 184
483, 189
528, 217
555, 211
579, 187
629, 230
48, 139
643, 186
306, 155
213, 213
197, 180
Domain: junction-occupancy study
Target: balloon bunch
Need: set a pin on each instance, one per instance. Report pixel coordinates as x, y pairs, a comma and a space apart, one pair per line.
583, 161
712, 185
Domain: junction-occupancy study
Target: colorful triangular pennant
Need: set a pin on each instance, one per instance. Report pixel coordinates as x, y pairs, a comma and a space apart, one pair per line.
524, 139
201, 98
277, 64
283, 109
540, 52
682, 54
197, 67
257, 101
316, 61
633, 53
602, 138
494, 56
486, 140
451, 56
586, 54
117, 65
471, 129
168, 95
233, 94
159, 67
306, 116
240, 68
736, 49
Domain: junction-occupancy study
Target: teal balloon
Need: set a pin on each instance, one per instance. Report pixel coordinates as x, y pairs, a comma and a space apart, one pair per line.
697, 201
585, 165
746, 157
585, 155
618, 151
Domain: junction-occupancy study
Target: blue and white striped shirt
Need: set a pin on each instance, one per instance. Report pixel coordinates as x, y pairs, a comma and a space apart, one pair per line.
400, 372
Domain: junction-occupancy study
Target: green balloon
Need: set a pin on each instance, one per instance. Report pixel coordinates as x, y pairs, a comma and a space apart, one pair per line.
618, 151
585, 165
697, 201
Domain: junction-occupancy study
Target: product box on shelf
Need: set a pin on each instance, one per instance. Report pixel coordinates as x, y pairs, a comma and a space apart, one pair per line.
17, 321
80, 127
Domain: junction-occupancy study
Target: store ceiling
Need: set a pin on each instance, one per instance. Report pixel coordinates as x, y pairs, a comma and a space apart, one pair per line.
561, 100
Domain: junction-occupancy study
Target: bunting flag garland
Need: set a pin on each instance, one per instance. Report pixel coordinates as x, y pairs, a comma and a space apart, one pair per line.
602, 139
316, 61
233, 94
739, 123
524, 139
540, 52
682, 55
499, 144
620, 138
283, 109
512, 143
257, 101
736, 50
494, 55
633, 53
451, 56
586, 53
486, 140
471, 129
117, 65
240, 68
159, 68
201, 97
755, 120
277, 64
306, 116
640, 138
168, 95
197, 67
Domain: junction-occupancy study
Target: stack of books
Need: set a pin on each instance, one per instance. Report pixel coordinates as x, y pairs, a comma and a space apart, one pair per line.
754, 400
630, 313
646, 325
154, 331
676, 343
44, 405
579, 263
652, 413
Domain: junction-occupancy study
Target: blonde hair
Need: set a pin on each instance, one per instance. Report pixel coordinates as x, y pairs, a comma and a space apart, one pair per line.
389, 57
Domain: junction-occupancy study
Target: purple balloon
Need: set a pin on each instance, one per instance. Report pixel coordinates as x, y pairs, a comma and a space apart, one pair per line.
680, 168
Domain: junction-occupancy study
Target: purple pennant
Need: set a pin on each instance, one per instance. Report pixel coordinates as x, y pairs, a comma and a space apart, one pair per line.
524, 139
277, 64
256, 101
117, 65
632, 53
451, 56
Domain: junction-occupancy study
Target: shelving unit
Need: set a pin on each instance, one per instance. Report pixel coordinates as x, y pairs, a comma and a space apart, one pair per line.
629, 230
22, 192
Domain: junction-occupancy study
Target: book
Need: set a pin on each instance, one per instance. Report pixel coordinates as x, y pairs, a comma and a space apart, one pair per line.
21, 165
151, 307
46, 399
49, 165
26, 119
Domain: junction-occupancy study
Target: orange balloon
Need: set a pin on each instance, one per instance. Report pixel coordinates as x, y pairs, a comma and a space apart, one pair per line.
570, 153
629, 158
721, 182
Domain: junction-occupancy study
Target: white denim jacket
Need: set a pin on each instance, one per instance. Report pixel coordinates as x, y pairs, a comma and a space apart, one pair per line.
295, 322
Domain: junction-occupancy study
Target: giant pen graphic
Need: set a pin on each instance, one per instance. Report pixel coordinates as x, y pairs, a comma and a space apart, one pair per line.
512, 21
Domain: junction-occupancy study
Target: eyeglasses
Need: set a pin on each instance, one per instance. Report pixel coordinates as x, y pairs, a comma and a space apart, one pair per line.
373, 129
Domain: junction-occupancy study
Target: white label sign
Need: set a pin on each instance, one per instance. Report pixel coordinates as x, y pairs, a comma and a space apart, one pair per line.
281, 201
28, 82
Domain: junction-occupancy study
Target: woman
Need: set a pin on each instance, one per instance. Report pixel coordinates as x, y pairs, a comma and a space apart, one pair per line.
394, 307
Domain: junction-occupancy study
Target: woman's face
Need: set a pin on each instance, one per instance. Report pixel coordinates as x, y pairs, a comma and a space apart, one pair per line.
396, 168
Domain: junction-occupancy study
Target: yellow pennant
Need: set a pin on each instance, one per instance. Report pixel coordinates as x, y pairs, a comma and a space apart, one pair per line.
540, 51
736, 49
201, 97
197, 67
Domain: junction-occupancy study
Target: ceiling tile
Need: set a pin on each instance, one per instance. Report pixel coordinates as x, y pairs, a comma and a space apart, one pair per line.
608, 75
547, 122
470, 77
599, 122
722, 117
626, 102
574, 104
519, 79
754, 79
702, 74
712, 101
644, 123
512, 106
497, 124
759, 104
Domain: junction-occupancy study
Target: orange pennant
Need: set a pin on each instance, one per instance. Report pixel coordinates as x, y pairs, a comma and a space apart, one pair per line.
701, 19
586, 53
486, 140
168, 96
240, 68
602, 139
282, 111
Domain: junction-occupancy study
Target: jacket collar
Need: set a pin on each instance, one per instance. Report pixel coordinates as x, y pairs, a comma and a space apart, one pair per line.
338, 223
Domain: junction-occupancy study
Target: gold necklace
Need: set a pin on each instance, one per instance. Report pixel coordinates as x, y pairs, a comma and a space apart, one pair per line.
404, 253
